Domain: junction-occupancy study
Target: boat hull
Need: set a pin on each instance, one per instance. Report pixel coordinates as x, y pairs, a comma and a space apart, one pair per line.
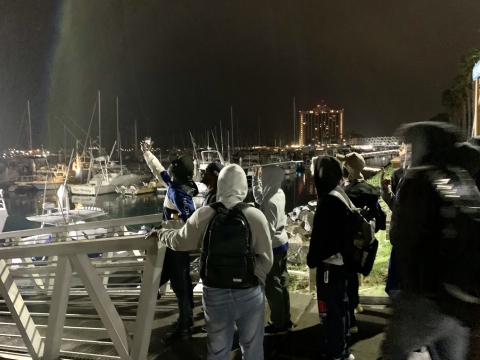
92, 190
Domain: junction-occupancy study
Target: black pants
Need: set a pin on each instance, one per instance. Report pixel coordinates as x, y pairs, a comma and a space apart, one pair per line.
176, 268
353, 297
276, 291
333, 308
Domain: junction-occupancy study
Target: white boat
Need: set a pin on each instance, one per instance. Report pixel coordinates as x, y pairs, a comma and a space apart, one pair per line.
105, 176
209, 156
23, 183
133, 190
3, 211
63, 213
50, 179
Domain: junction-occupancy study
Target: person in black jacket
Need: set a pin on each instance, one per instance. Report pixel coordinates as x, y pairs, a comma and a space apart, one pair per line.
425, 312
363, 195
333, 231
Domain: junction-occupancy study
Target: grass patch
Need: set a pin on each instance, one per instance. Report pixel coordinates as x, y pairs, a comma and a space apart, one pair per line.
297, 283
375, 179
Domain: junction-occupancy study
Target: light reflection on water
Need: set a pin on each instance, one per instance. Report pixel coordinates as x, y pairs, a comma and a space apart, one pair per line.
299, 189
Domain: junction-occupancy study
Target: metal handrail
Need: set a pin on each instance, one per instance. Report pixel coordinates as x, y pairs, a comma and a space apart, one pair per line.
145, 219
117, 243
71, 261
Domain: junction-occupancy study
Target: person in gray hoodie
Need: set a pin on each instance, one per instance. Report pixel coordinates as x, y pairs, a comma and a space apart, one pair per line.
271, 198
226, 307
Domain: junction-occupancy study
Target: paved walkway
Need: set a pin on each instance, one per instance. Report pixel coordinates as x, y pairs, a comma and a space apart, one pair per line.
305, 342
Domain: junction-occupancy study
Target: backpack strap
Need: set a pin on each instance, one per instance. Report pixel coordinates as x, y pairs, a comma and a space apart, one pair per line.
348, 203
242, 206
217, 206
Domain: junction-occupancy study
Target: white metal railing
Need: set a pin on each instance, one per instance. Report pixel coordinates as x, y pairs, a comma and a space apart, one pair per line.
69, 283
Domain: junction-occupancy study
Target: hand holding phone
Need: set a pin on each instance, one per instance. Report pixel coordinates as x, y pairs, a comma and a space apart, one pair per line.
146, 144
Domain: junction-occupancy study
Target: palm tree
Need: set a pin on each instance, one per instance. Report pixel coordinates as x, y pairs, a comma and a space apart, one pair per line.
459, 99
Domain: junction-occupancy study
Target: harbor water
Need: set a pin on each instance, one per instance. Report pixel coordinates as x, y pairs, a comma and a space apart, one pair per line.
299, 188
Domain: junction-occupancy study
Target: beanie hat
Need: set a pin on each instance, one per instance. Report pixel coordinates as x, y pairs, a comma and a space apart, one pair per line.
327, 174
182, 167
214, 166
354, 163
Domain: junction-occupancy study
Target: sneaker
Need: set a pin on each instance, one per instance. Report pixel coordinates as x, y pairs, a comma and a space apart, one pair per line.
354, 330
359, 309
176, 335
350, 357
173, 324
273, 330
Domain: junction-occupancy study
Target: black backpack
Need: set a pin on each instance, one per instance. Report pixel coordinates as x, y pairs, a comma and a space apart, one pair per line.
362, 252
227, 260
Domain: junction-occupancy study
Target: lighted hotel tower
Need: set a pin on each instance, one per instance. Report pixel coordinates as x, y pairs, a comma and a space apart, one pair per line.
321, 125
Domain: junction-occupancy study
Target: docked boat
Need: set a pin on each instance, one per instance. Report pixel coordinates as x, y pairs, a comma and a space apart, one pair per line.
50, 179
3, 211
62, 214
133, 190
23, 184
209, 156
105, 176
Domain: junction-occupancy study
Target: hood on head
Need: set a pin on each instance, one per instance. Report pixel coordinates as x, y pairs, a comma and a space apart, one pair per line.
232, 184
327, 174
431, 141
272, 177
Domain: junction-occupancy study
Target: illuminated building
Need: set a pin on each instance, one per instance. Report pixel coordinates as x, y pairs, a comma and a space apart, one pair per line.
321, 125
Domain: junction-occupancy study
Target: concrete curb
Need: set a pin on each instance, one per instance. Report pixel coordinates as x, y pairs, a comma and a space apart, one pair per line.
375, 300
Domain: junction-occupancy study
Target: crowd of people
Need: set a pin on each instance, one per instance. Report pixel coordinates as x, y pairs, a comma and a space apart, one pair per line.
434, 271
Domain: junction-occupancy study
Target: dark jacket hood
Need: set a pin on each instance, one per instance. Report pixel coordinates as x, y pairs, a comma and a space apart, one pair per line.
432, 142
327, 174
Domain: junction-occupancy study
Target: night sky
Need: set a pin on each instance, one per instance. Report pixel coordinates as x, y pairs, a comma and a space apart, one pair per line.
178, 66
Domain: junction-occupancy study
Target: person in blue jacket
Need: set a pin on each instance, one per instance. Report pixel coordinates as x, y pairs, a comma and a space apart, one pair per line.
176, 268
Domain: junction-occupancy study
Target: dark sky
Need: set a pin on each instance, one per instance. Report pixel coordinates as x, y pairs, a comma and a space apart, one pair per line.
178, 66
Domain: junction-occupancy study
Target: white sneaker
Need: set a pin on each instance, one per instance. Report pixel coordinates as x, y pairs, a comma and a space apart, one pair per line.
424, 355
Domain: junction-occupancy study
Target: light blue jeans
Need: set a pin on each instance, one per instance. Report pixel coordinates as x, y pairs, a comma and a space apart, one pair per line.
226, 307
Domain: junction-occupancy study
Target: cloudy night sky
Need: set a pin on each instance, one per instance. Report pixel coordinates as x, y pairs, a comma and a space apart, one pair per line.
178, 66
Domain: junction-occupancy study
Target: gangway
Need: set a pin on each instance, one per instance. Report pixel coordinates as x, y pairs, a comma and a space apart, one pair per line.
64, 305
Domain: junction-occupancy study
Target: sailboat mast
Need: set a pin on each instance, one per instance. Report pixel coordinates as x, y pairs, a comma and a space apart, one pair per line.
65, 142
119, 143
221, 138
294, 121
99, 125
228, 146
231, 119
30, 146
136, 139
